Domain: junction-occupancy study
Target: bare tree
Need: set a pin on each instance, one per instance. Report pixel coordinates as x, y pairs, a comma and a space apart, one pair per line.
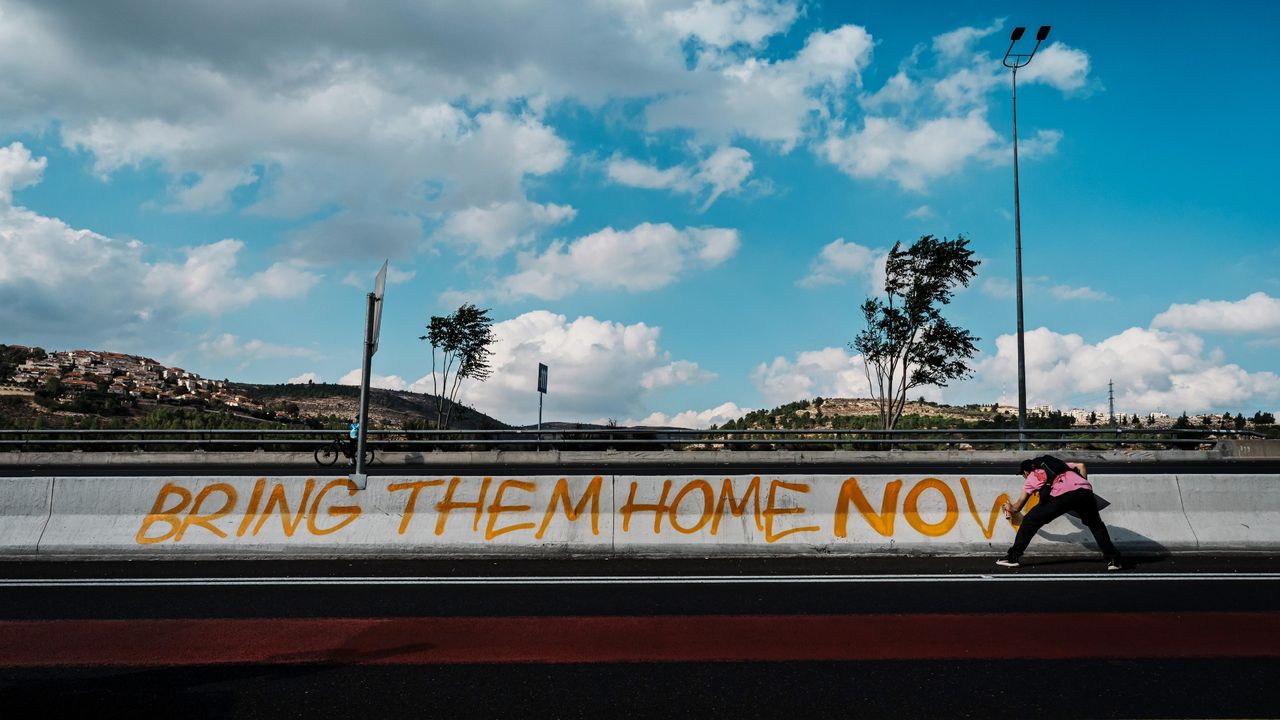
907, 343
459, 350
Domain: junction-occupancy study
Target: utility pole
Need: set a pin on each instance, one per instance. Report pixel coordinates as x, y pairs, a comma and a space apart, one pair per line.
1111, 400
1015, 61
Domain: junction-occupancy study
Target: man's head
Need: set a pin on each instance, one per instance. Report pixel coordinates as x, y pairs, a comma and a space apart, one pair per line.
1026, 467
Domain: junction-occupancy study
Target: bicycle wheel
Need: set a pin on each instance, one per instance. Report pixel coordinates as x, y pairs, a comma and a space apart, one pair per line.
327, 454
368, 456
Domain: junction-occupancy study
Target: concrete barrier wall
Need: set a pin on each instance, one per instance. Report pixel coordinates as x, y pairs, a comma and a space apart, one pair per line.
1232, 511
24, 510
611, 515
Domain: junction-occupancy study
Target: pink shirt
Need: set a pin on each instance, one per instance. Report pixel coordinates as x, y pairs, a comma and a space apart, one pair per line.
1066, 483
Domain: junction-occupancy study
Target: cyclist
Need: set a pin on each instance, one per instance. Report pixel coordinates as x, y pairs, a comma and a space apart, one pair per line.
353, 434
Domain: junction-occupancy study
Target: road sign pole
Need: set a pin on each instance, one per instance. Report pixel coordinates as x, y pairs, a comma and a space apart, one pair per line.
365, 371
372, 328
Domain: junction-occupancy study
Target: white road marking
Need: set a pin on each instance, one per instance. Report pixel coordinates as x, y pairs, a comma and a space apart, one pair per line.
632, 580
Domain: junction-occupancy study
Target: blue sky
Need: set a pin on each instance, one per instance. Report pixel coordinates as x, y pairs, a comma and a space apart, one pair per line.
677, 206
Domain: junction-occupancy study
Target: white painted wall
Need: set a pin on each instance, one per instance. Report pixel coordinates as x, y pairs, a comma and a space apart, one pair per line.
527, 515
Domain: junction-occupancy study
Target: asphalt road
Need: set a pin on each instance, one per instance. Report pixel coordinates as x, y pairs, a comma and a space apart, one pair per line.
1181, 636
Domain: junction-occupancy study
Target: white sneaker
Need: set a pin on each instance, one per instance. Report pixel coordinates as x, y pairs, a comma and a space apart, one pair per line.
1115, 565
1008, 562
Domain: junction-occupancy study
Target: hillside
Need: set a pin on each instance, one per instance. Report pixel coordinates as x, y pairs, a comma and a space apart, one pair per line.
863, 413
102, 389
387, 408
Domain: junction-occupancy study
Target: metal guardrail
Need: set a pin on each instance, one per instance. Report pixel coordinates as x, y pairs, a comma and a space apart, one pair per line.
611, 438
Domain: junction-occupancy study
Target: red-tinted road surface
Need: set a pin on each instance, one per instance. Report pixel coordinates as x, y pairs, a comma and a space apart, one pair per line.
431, 640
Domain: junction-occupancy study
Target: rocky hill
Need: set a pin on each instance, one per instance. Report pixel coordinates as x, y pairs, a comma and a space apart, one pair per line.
864, 413
387, 408
101, 389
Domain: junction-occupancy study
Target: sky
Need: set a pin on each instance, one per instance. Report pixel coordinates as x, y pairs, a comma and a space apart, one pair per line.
677, 206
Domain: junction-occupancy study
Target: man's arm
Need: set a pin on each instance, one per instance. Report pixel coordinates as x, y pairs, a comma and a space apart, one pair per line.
1016, 505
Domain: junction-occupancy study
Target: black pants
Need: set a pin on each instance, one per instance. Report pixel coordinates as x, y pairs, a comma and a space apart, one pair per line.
1082, 503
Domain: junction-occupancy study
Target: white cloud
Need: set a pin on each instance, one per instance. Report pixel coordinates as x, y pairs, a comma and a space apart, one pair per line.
1257, 313
365, 281
1153, 370
385, 116
680, 372
1077, 292
1059, 66
829, 372
930, 120
924, 212
958, 43
647, 257
839, 260
74, 283
228, 346
999, 287
212, 190
772, 101
1003, 288
500, 227
18, 170
724, 171
899, 90
352, 237
1043, 144
204, 281
694, 419
910, 155
303, 379
385, 382
723, 24
380, 118
967, 88
598, 369
633, 173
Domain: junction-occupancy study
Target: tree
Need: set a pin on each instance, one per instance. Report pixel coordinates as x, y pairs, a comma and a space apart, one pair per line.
1239, 421
907, 342
459, 350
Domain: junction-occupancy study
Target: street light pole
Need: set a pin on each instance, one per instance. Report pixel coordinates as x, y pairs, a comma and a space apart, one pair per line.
1015, 61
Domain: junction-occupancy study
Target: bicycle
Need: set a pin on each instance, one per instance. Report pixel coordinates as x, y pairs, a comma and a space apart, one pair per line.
328, 453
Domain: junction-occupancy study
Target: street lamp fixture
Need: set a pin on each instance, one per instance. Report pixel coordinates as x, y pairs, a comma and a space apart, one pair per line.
1014, 61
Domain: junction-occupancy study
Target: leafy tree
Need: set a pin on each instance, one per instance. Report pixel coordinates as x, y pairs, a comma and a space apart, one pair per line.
1239, 421
1261, 418
907, 342
459, 350
11, 356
